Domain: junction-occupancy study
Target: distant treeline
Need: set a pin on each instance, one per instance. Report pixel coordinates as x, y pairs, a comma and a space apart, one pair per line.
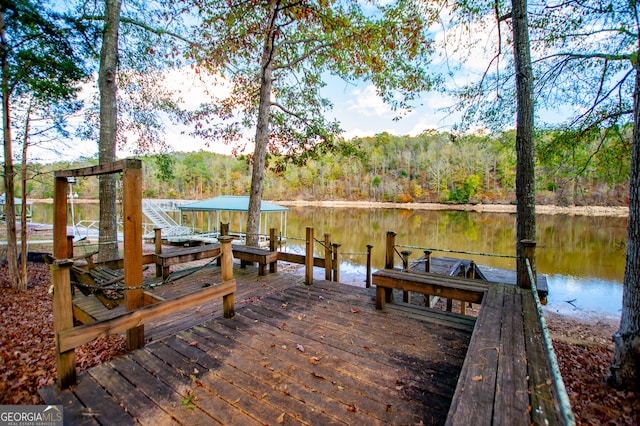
431, 167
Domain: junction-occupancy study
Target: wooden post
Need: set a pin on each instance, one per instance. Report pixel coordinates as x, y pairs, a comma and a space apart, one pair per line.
388, 263
328, 257
63, 320
132, 216
224, 229
427, 260
226, 256
406, 295
368, 278
70, 253
157, 239
528, 252
405, 259
391, 242
308, 260
60, 241
62, 304
273, 267
336, 262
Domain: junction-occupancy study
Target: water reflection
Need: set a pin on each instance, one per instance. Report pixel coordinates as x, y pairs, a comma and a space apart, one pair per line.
583, 256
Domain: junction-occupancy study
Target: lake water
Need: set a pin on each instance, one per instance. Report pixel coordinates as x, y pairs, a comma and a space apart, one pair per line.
582, 256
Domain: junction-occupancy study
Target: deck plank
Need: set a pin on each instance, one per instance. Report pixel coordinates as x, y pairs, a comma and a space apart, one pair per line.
512, 398
319, 354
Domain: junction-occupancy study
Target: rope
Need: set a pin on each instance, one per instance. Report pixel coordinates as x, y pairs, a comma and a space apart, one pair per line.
458, 251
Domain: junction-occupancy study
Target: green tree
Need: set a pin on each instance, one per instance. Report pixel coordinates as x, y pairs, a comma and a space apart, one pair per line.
37, 59
297, 43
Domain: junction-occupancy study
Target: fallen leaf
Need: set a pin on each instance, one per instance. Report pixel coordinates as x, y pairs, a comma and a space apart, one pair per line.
281, 418
282, 326
354, 310
314, 360
300, 347
366, 347
477, 378
284, 305
352, 408
193, 344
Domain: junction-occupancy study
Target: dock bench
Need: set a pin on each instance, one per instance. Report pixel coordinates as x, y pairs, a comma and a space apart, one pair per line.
430, 284
246, 255
258, 255
506, 377
175, 257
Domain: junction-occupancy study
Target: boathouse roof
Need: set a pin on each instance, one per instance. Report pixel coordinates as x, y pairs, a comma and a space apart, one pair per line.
231, 203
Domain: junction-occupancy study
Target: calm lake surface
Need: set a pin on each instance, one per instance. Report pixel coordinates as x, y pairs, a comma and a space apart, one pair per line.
582, 256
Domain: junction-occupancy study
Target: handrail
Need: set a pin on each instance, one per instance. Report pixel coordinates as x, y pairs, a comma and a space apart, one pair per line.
565, 404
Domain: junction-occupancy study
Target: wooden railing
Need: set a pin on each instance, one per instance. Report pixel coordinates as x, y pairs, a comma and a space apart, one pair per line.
132, 322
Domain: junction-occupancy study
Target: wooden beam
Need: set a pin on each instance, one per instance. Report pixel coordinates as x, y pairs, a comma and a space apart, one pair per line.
101, 169
77, 336
132, 218
63, 321
308, 263
228, 300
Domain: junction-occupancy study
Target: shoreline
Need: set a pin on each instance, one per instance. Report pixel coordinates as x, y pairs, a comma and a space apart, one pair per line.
613, 211
547, 209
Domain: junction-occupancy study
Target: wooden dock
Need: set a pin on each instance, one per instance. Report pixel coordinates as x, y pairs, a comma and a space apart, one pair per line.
293, 354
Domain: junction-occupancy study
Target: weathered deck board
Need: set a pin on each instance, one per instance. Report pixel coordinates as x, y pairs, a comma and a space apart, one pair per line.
359, 365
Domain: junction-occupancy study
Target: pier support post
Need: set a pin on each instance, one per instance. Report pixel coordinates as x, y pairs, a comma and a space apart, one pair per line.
388, 261
406, 295
226, 258
336, 262
427, 260
390, 247
528, 252
70, 252
308, 260
60, 276
157, 239
273, 267
328, 257
132, 218
368, 278
63, 320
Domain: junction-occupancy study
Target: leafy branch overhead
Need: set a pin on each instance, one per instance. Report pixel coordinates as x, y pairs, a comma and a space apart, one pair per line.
387, 46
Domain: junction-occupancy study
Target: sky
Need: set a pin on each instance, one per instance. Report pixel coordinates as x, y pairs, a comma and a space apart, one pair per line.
356, 107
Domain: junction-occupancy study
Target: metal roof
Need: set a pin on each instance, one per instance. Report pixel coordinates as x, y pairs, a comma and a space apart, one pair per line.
230, 203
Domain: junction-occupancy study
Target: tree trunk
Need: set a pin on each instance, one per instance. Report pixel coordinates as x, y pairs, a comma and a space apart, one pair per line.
9, 175
625, 367
23, 213
262, 129
108, 126
525, 171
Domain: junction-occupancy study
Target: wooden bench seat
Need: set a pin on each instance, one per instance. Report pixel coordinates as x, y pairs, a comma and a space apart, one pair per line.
506, 376
175, 257
258, 255
246, 255
464, 289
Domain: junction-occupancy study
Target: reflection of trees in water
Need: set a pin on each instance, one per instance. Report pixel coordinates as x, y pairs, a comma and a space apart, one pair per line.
568, 245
